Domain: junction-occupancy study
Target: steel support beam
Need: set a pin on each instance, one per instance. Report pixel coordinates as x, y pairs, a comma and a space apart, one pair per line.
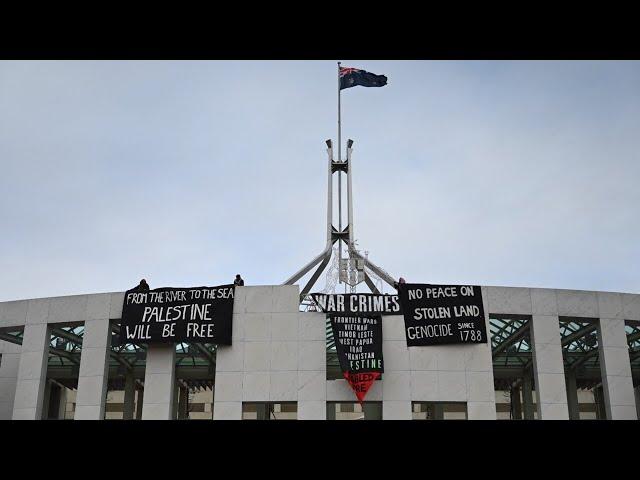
72, 337
584, 359
333, 235
10, 338
326, 253
375, 269
314, 277
78, 341
572, 394
527, 396
52, 351
633, 337
370, 284
205, 353
513, 338
578, 334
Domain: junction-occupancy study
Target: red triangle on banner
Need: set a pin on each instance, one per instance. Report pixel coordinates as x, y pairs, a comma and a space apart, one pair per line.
361, 382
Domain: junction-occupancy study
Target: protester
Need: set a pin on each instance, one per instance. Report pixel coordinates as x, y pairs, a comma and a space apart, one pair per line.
238, 282
143, 286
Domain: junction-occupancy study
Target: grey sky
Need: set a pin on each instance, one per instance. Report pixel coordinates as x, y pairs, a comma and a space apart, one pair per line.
186, 173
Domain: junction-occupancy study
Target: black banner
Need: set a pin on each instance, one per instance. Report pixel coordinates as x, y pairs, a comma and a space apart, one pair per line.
174, 315
358, 303
358, 342
441, 314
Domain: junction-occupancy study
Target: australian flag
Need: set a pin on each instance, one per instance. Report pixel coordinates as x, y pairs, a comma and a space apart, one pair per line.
350, 77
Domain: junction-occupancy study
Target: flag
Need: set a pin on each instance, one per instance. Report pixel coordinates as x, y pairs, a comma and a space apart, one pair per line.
361, 382
360, 356
350, 77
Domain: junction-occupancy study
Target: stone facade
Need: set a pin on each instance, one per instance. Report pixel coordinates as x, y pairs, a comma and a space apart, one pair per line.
278, 355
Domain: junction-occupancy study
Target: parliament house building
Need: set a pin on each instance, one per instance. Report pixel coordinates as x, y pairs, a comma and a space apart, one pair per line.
551, 354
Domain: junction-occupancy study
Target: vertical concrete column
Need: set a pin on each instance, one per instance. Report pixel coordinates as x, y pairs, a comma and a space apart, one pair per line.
228, 386
62, 407
572, 394
598, 397
396, 410
331, 411
183, 402
527, 396
55, 401
615, 365
94, 370
139, 404
32, 372
46, 400
176, 398
478, 365
548, 368
8, 378
396, 381
312, 367
159, 382
517, 404
129, 396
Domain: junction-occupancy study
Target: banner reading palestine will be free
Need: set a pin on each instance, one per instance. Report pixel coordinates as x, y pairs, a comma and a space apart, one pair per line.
174, 315
358, 342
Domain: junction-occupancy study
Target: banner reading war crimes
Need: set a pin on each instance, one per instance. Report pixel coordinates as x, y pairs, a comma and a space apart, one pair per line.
174, 315
358, 341
358, 303
441, 314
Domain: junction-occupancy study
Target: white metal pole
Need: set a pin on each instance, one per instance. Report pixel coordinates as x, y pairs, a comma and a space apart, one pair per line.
326, 253
339, 132
339, 180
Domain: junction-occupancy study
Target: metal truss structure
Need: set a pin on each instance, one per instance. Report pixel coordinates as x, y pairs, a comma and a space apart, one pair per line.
355, 268
195, 362
513, 358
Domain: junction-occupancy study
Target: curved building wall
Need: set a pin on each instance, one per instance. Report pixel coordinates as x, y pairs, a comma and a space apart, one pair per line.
279, 355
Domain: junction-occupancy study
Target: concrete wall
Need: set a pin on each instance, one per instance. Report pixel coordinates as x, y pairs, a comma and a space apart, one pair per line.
93, 374
278, 355
545, 306
159, 383
8, 377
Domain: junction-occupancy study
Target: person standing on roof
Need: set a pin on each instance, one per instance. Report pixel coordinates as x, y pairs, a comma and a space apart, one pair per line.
143, 286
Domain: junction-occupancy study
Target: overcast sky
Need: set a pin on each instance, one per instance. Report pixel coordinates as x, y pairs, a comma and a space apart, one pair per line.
186, 173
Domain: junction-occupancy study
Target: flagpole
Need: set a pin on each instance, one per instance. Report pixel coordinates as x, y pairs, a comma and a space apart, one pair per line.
339, 127
339, 181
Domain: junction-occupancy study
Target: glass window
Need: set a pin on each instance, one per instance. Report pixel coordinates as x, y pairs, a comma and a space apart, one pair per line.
439, 410
583, 377
512, 354
63, 370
